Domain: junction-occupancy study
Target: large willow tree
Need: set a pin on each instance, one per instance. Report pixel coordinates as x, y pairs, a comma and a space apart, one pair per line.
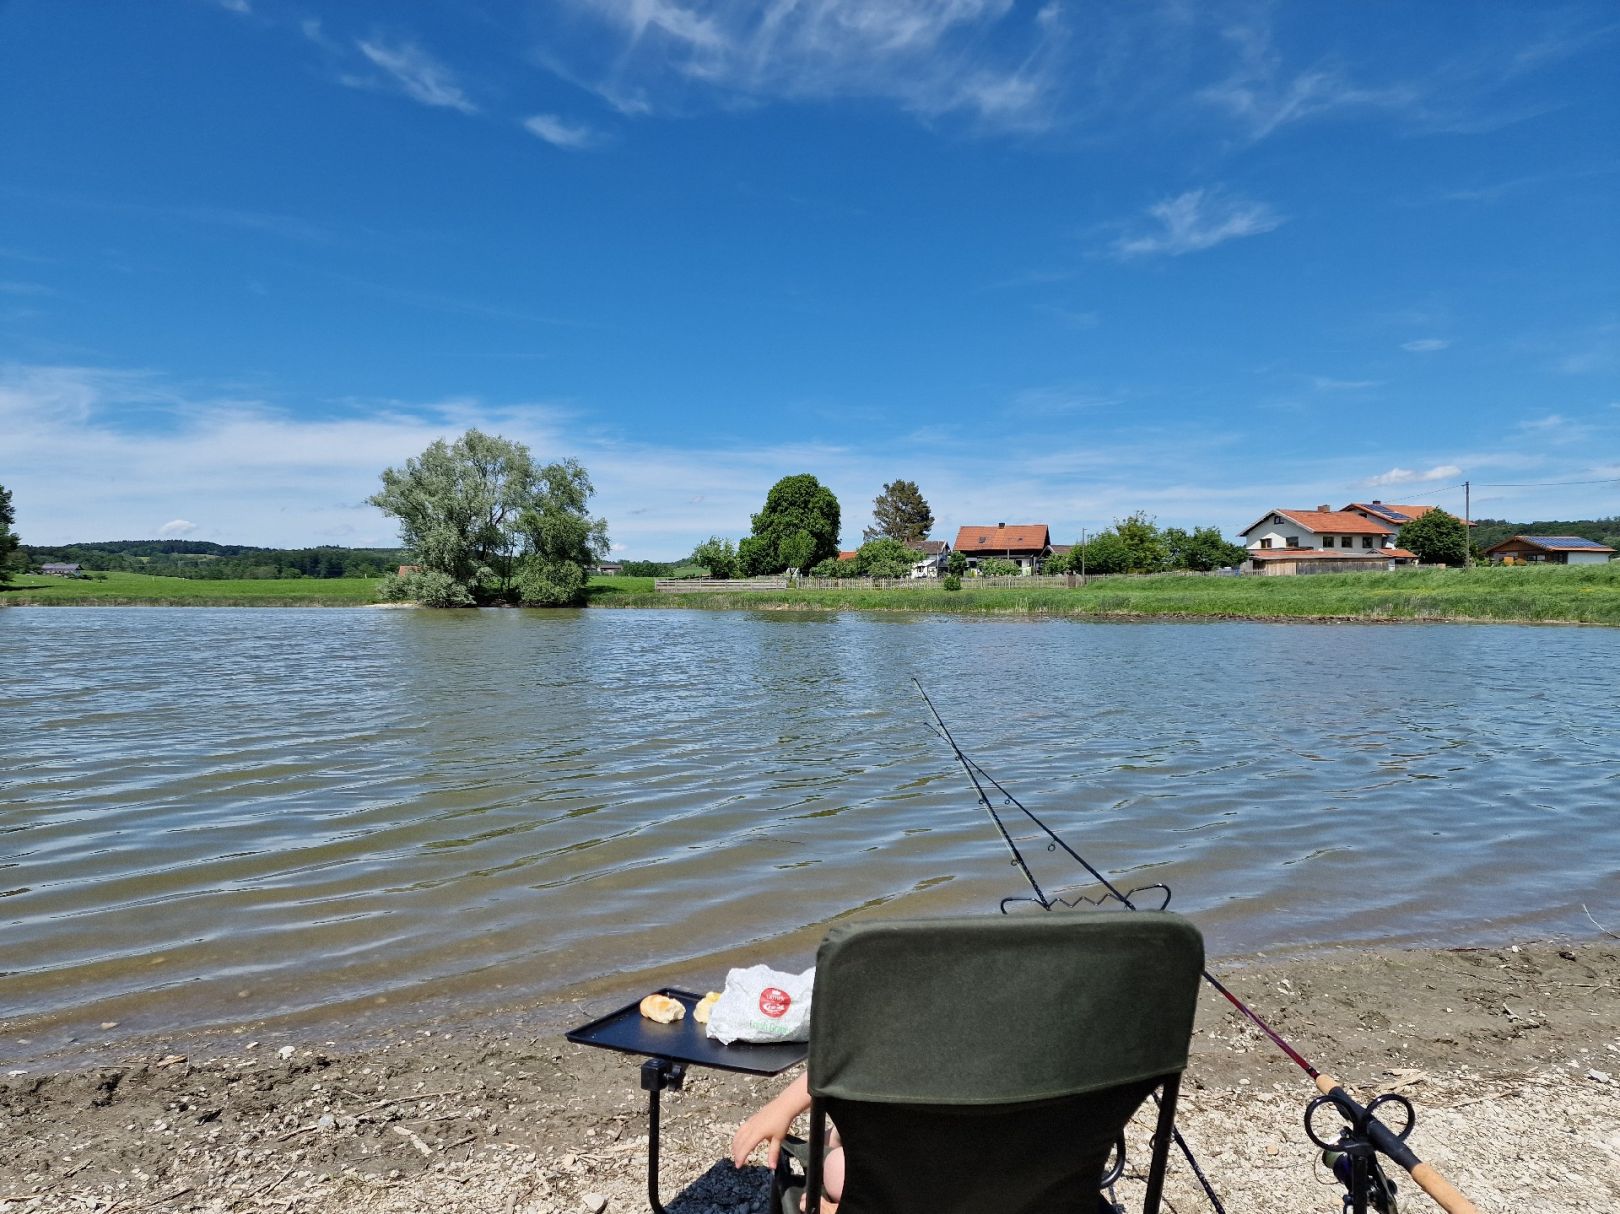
485, 524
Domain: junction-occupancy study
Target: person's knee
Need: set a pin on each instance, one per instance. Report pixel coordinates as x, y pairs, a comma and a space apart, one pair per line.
832, 1175
832, 1180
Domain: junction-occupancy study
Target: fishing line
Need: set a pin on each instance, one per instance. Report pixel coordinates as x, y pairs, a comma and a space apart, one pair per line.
1367, 1128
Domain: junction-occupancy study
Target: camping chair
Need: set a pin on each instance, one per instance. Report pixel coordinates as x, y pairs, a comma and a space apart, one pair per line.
991, 1064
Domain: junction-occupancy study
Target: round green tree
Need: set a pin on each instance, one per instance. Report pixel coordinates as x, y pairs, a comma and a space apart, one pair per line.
718, 556
1436, 538
794, 504
885, 558
1105, 553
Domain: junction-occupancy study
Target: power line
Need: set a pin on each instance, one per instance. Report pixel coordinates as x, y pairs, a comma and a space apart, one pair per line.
1550, 484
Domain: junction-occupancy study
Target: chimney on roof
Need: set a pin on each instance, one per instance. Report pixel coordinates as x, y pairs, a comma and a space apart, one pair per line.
1378, 501
1001, 524
1325, 509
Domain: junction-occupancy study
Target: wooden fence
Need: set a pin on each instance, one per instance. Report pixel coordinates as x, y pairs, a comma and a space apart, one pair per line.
744, 585
1015, 581
696, 585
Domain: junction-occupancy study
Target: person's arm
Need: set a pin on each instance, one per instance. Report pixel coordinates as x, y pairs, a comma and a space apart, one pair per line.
770, 1125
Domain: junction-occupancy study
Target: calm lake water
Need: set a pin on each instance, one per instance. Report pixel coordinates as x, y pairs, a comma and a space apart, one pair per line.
211, 816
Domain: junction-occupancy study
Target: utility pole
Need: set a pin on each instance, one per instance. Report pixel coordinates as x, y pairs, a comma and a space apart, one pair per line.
1082, 556
1468, 544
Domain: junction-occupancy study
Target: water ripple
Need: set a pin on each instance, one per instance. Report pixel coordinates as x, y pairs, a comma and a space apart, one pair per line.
209, 815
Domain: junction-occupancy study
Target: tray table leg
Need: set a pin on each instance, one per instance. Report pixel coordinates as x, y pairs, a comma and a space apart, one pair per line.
656, 1075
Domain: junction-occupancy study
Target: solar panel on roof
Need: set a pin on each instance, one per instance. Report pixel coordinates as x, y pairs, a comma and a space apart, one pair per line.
1564, 541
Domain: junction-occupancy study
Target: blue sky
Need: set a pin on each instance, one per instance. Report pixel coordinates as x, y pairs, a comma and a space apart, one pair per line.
1053, 262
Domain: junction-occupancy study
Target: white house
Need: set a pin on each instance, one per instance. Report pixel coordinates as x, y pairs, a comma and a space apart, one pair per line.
1323, 534
931, 557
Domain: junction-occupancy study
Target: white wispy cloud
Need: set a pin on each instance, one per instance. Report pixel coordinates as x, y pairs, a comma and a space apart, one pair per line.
1264, 95
1407, 476
417, 73
1553, 421
1194, 221
930, 58
176, 527
1425, 345
561, 133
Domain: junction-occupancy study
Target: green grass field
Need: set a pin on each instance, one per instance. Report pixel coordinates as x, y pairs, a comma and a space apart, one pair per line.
144, 590
1549, 594
1528, 594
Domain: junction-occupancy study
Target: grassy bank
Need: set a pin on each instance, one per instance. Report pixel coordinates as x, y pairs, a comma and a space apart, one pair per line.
144, 590
1552, 594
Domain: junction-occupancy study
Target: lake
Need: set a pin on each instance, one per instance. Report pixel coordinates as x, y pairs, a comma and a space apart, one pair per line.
214, 816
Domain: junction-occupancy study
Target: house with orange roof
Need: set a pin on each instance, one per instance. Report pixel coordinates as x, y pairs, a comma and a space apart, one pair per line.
1387, 512
1025, 544
1282, 541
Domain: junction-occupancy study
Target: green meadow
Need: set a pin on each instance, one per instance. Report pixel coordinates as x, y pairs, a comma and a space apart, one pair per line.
145, 590
1525, 594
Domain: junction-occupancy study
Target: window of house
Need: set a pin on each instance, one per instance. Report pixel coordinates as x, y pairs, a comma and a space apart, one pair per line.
1265, 543
1366, 541
1293, 542
1327, 541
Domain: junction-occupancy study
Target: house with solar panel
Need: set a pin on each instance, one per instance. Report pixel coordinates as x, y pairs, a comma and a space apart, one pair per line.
1385, 512
1550, 550
1027, 545
1321, 541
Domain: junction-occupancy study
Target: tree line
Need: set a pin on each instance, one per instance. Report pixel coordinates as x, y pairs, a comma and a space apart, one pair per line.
797, 529
216, 562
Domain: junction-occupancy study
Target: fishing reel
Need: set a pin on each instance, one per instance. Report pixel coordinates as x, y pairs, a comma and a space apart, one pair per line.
1352, 1156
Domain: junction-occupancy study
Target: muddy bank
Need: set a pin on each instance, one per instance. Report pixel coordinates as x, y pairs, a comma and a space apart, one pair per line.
1511, 1055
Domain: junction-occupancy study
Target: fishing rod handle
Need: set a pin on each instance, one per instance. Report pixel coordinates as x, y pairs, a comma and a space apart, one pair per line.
1445, 1194
1442, 1190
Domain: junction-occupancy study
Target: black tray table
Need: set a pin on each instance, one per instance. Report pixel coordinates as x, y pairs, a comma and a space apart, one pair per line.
670, 1049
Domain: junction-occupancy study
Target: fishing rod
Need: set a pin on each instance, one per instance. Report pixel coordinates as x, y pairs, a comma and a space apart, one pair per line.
1353, 1156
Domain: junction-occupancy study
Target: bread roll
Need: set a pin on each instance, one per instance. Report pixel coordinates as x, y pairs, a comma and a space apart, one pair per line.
701, 1012
662, 1008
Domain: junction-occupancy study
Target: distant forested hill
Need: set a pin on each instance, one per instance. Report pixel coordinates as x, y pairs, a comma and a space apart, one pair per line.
1490, 531
197, 559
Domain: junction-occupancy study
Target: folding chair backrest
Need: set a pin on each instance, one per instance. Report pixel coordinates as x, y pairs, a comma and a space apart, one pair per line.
991, 1010
990, 1063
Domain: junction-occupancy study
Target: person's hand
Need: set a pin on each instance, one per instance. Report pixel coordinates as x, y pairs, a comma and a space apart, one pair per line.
770, 1125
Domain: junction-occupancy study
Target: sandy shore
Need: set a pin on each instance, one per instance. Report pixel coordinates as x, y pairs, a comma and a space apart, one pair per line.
1511, 1055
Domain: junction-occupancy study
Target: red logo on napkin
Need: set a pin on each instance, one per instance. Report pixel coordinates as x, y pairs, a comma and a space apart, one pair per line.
774, 1002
